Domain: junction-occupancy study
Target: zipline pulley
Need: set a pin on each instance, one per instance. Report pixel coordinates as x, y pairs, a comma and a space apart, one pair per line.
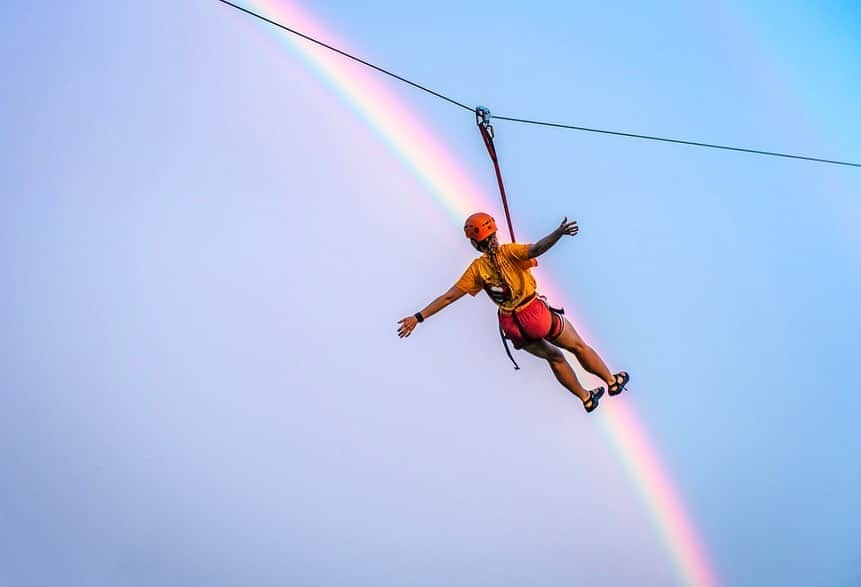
482, 118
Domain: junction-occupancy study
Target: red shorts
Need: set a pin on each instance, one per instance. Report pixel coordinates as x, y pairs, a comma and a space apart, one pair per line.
532, 322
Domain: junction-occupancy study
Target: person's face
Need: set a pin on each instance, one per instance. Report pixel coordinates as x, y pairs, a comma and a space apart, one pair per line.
485, 245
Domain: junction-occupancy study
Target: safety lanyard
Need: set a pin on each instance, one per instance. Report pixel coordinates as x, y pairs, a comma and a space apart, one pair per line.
482, 119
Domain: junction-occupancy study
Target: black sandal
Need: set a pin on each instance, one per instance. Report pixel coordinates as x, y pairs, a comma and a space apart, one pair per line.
621, 380
594, 396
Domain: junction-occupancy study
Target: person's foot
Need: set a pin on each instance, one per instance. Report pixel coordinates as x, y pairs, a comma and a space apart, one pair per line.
594, 396
621, 379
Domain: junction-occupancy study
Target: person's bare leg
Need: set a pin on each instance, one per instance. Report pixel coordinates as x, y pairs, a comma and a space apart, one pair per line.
571, 341
561, 369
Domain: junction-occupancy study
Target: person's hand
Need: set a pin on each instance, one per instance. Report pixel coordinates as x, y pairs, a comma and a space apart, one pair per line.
407, 325
569, 228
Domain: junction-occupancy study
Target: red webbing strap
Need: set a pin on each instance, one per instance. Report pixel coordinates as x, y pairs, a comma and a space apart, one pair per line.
487, 134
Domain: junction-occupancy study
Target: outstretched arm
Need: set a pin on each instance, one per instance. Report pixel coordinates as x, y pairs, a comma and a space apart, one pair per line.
410, 322
539, 248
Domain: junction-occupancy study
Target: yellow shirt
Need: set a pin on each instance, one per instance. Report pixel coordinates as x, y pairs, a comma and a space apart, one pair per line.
518, 284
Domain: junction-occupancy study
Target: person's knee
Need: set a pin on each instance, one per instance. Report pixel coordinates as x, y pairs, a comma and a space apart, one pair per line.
554, 356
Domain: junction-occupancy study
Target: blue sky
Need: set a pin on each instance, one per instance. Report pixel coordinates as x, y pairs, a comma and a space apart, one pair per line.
205, 252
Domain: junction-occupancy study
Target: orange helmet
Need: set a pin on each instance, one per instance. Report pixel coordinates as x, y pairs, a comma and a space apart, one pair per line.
479, 226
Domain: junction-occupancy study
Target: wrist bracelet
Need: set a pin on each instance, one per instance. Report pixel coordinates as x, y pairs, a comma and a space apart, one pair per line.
418, 316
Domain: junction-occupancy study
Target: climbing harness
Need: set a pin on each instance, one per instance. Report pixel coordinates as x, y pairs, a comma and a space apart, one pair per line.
556, 325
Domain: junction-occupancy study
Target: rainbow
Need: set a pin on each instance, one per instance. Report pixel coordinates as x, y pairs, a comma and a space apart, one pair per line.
459, 195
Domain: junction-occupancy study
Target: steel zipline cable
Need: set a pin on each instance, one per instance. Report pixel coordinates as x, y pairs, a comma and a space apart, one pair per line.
450, 100
345, 54
677, 141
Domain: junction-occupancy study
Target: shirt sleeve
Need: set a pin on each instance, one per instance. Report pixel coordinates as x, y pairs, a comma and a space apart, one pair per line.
520, 253
470, 281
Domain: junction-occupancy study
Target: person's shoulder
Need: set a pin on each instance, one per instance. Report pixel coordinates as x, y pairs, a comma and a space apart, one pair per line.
476, 262
517, 250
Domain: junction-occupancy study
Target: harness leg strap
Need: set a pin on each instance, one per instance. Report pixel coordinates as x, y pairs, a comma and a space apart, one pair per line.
507, 350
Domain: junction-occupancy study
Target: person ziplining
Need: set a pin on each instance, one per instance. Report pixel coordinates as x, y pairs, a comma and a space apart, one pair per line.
525, 317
